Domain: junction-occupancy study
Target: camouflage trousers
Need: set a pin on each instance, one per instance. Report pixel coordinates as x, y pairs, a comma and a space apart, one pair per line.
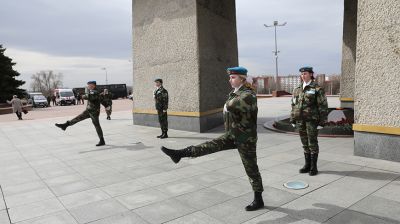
163, 119
309, 136
95, 120
247, 152
108, 111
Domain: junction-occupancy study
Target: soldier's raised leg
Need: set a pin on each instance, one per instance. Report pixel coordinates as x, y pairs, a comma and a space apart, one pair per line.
249, 159
304, 140
84, 115
221, 143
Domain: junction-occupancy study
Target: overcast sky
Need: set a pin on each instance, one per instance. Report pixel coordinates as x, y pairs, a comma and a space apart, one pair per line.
78, 38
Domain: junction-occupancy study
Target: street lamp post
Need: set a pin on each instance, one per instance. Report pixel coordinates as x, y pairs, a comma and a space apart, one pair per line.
276, 52
106, 74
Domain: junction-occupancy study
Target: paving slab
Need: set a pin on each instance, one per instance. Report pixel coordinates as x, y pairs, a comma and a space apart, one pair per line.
33, 210
97, 210
203, 198
122, 218
4, 217
164, 211
56, 218
233, 211
275, 217
141, 198
349, 216
83, 197
307, 208
378, 207
195, 218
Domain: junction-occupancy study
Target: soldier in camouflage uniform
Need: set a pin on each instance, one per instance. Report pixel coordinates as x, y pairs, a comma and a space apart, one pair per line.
309, 113
107, 102
161, 100
240, 119
92, 111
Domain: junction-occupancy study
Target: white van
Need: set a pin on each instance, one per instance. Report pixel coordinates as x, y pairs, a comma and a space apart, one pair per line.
64, 97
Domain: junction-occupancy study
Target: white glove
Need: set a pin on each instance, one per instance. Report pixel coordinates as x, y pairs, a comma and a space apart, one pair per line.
319, 127
294, 125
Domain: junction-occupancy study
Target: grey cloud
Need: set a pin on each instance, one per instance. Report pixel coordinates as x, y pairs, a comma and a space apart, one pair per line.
68, 28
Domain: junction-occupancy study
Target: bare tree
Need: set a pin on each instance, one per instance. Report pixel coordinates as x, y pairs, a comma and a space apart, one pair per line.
46, 81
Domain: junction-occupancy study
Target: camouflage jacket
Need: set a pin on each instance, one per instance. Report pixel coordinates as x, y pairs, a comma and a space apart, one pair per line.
93, 101
309, 104
106, 99
161, 98
240, 115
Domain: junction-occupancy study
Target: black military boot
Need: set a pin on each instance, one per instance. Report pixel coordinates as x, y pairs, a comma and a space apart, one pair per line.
164, 135
313, 169
257, 203
159, 136
307, 165
63, 126
176, 155
101, 142
108, 117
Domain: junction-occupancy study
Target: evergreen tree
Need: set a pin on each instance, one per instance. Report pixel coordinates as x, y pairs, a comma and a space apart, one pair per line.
9, 85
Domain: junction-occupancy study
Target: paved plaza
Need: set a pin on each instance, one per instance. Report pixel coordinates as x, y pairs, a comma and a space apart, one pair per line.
55, 177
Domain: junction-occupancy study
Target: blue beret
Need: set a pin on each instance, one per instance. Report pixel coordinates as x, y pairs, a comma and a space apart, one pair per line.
91, 82
237, 71
158, 80
306, 69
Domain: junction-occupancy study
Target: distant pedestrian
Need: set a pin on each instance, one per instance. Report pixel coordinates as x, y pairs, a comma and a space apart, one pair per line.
53, 99
16, 104
78, 98
107, 102
48, 100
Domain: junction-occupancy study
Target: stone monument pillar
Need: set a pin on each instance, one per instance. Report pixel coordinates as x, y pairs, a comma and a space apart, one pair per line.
377, 80
348, 54
189, 44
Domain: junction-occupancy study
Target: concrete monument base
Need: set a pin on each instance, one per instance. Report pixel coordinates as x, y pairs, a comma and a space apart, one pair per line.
378, 146
179, 122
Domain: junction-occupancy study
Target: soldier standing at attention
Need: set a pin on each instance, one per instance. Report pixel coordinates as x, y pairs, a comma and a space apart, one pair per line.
92, 111
309, 113
240, 119
107, 102
161, 99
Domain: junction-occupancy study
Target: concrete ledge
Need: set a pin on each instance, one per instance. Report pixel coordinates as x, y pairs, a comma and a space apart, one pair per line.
378, 146
179, 113
376, 129
185, 123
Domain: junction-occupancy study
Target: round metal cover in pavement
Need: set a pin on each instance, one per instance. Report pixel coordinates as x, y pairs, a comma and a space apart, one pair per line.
296, 185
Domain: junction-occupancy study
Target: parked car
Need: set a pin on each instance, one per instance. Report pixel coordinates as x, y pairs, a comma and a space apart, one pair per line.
39, 101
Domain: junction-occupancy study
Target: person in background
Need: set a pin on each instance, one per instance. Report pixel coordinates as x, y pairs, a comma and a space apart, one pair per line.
107, 102
48, 100
16, 104
161, 100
